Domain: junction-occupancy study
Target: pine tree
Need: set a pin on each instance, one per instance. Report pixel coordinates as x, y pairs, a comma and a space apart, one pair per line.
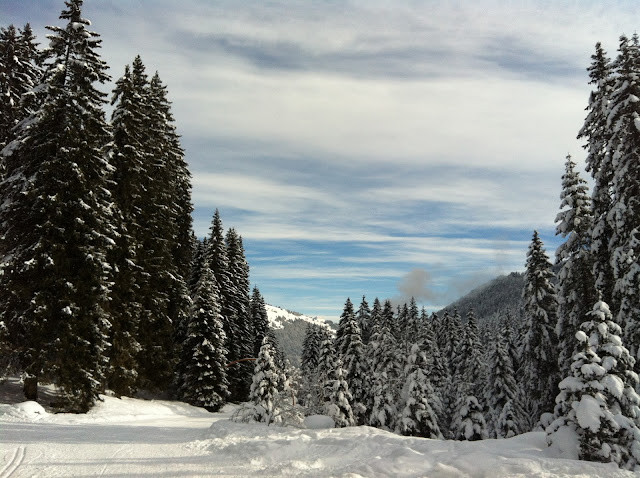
259, 318
418, 415
540, 367
19, 73
501, 389
466, 424
264, 387
469, 423
338, 396
56, 216
350, 350
624, 216
363, 317
204, 382
129, 158
238, 302
597, 403
166, 242
597, 133
312, 396
575, 278
385, 370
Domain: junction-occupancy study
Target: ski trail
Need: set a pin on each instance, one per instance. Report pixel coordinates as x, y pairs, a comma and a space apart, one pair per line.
106, 465
14, 462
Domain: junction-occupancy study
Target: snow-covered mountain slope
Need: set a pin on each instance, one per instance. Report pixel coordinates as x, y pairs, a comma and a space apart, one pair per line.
129, 437
279, 316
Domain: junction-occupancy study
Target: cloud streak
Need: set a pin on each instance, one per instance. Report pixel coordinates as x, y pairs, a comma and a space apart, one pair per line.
354, 144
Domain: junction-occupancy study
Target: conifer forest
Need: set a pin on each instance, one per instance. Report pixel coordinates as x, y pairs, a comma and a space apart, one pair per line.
105, 286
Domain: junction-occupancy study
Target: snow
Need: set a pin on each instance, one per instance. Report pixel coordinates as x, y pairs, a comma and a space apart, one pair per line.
130, 437
318, 422
277, 317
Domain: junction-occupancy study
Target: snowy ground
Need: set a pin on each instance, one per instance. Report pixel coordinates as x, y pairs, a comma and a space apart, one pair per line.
129, 437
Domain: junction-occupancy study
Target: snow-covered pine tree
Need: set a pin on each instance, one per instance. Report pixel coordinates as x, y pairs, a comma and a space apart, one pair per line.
338, 397
264, 386
203, 362
128, 156
363, 317
218, 258
597, 408
347, 317
239, 301
57, 218
260, 319
19, 73
623, 120
575, 284
539, 360
350, 350
508, 423
467, 422
166, 242
385, 370
311, 396
596, 131
419, 399
500, 389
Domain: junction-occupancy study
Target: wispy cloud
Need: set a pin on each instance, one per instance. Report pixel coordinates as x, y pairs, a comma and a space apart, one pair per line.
353, 142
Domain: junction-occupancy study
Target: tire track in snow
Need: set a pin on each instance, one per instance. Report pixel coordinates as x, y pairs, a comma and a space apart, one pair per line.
14, 462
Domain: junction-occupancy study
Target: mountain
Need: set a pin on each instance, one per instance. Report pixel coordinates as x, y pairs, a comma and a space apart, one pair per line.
498, 297
289, 328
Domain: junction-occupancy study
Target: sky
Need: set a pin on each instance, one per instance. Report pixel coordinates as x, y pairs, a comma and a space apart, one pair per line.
381, 148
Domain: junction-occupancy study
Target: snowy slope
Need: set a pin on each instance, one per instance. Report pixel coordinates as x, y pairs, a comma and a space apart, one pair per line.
279, 316
131, 437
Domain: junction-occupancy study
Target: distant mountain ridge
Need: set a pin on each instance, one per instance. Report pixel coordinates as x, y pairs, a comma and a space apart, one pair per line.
497, 297
289, 328
278, 317
490, 301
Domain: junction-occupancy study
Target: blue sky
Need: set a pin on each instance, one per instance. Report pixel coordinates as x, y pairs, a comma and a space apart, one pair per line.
380, 148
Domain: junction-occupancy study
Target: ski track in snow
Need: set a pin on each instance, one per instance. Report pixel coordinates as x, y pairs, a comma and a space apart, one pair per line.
138, 438
13, 463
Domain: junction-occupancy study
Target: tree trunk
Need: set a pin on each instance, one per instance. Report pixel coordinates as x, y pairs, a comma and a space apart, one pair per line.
30, 387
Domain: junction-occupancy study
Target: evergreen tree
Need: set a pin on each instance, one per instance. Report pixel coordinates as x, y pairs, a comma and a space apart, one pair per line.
351, 353
19, 73
56, 220
501, 389
260, 320
264, 387
385, 370
238, 302
129, 158
338, 396
418, 416
469, 423
597, 403
597, 132
624, 215
166, 241
540, 367
218, 258
575, 278
363, 317
508, 423
466, 424
204, 358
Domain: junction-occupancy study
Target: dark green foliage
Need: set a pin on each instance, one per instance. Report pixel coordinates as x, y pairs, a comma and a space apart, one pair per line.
204, 382
539, 360
19, 73
57, 221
